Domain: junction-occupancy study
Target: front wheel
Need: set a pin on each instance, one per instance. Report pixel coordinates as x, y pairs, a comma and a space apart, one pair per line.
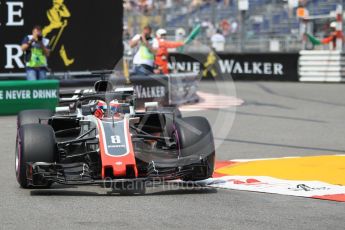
35, 143
194, 137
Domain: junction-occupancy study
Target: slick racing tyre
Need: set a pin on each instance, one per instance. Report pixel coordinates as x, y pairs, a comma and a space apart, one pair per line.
194, 136
33, 116
35, 143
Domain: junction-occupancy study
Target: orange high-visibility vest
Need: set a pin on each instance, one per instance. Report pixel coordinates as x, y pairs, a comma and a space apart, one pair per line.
162, 54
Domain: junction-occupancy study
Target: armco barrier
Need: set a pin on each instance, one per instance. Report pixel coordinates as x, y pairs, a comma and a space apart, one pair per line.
20, 95
222, 66
322, 66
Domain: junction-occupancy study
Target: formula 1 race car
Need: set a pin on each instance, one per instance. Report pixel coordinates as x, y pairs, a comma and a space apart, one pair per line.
100, 137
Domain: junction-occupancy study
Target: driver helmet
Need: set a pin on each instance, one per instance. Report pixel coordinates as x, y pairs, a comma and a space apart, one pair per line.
102, 108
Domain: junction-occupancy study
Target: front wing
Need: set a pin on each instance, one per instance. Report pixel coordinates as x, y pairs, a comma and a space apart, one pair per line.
41, 173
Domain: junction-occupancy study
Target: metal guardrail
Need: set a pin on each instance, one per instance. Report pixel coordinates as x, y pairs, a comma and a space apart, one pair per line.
321, 66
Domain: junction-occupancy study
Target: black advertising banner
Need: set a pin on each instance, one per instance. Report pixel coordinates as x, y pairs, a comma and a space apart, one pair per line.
84, 34
183, 88
153, 88
244, 66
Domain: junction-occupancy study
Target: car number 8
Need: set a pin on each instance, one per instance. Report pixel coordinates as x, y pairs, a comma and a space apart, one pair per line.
115, 139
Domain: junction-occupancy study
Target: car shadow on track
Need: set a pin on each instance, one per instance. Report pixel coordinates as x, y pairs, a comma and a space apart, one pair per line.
170, 188
54, 192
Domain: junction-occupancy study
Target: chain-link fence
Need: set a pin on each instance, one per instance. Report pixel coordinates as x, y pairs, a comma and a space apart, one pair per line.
267, 25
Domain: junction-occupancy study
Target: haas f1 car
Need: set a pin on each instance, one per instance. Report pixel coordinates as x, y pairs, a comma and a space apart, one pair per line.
100, 137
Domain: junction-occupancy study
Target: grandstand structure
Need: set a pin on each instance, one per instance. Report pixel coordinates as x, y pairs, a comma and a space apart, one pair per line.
265, 22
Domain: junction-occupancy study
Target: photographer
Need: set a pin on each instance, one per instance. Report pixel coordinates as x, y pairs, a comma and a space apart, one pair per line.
36, 51
144, 58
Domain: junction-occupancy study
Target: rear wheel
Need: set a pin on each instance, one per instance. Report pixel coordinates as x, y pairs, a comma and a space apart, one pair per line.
194, 137
35, 143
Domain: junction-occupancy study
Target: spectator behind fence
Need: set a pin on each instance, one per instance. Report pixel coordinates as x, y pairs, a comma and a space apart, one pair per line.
36, 51
225, 27
218, 41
